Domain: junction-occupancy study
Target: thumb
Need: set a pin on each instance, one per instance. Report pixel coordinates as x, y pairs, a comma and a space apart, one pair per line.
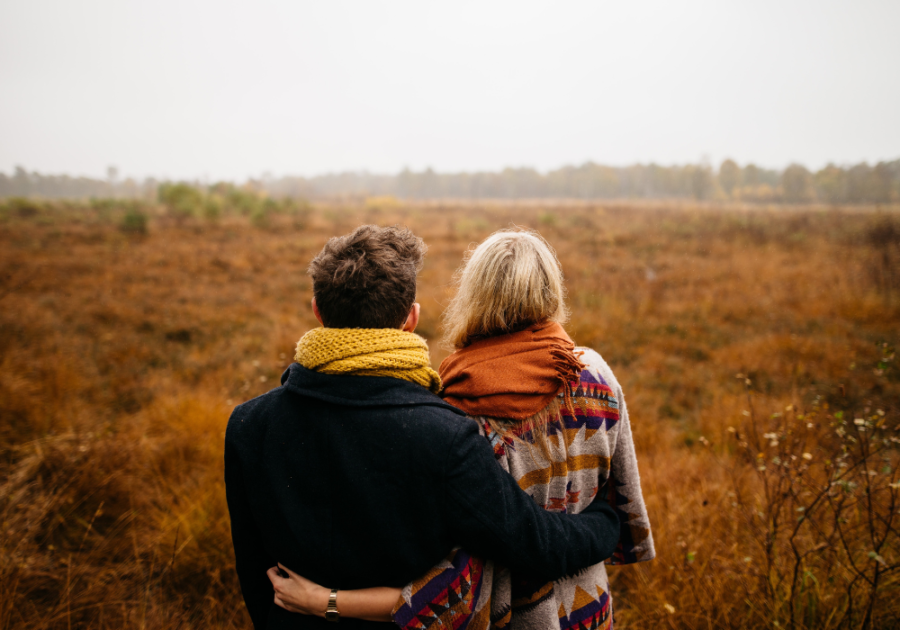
288, 571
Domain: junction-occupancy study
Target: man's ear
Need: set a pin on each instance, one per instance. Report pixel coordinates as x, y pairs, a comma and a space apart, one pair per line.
316, 312
412, 320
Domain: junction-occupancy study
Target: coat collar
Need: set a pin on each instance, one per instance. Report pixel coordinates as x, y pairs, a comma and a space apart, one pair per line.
360, 391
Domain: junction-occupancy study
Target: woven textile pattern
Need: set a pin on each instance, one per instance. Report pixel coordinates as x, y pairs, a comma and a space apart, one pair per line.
368, 352
592, 453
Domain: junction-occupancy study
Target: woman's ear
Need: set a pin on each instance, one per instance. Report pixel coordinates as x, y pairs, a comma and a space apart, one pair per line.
412, 320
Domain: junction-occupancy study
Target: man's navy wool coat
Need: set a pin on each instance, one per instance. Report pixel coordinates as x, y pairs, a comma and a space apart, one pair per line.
357, 481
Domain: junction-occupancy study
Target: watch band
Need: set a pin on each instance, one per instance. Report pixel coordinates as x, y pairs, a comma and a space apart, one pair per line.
331, 613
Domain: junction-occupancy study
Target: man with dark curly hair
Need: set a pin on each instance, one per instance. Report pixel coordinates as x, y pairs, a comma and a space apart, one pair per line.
354, 473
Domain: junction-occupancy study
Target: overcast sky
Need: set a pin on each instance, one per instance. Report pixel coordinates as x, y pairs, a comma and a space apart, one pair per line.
219, 89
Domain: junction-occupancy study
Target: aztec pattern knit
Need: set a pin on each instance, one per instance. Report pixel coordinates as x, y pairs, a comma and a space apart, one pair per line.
591, 451
368, 352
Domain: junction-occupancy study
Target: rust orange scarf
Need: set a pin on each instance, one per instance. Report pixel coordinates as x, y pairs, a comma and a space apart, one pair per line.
512, 376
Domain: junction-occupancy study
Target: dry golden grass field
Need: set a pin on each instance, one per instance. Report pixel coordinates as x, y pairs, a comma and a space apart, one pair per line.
755, 348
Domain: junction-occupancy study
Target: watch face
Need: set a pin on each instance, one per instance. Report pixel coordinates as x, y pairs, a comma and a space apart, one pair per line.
332, 615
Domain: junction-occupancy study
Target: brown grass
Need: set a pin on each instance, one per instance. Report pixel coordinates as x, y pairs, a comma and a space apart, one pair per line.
122, 355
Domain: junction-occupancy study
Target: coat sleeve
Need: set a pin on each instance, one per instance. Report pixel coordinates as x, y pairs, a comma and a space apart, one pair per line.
623, 493
251, 558
491, 517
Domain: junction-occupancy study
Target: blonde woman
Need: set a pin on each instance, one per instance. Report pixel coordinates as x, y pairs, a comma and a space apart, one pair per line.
556, 418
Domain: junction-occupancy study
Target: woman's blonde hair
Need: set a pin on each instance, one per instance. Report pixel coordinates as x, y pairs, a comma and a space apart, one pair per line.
510, 281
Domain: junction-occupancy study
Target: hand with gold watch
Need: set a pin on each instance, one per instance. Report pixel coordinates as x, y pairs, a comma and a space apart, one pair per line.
297, 594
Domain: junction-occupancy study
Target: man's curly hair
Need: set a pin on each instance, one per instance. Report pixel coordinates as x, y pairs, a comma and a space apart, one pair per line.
367, 279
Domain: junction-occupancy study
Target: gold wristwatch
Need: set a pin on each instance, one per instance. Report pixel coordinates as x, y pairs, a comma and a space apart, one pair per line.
331, 613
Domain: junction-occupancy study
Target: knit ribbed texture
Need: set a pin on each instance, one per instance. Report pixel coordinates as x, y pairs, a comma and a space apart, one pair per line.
368, 352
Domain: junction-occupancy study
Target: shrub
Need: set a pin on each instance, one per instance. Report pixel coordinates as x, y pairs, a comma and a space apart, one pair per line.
212, 209
24, 208
817, 492
134, 221
241, 201
259, 216
182, 201
272, 206
547, 219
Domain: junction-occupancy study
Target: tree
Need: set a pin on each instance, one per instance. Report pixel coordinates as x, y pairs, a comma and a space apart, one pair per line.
729, 176
796, 183
701, 182
880, 184
752, 175
830, 184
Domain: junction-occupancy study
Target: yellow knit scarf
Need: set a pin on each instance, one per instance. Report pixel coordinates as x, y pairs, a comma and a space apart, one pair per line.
368, 352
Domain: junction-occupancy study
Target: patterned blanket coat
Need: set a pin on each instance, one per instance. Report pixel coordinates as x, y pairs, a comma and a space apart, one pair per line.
598, 455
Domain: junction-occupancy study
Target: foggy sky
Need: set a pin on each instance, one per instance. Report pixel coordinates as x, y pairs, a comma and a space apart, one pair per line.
218, 89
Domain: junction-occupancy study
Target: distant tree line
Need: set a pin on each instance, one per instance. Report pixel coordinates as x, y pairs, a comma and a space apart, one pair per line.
861, 183
24, 184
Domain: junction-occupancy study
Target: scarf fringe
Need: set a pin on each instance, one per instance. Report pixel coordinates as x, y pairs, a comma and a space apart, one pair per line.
568, 368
